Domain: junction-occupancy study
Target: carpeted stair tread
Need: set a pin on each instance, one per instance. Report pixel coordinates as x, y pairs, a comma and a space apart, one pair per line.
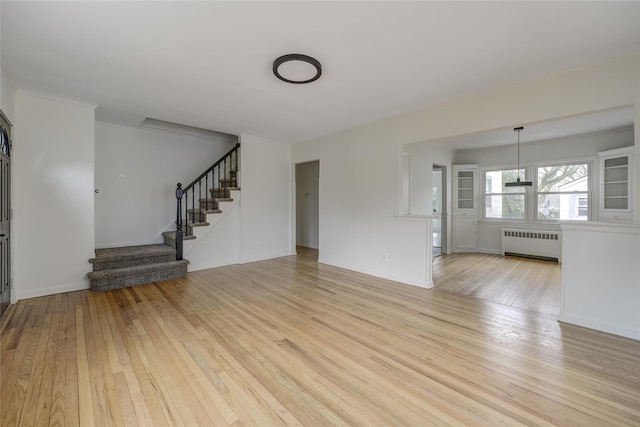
196, 224
225, 189
125, 252
204, 211
129, 256
136, 275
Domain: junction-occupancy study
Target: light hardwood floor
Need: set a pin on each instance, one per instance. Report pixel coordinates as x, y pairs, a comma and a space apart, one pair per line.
519, 282
292, 342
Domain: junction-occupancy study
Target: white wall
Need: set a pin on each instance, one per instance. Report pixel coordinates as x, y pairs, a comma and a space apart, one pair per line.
423, 156
307, 204
266, 209
605, 297
360, 168
218, 243
7, 95
53, 198
584, 147
136, 172
360, 184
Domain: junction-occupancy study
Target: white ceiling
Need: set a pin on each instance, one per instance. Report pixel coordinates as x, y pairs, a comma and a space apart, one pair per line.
208, 64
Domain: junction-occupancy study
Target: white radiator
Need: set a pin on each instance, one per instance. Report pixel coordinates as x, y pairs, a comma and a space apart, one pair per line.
532, 243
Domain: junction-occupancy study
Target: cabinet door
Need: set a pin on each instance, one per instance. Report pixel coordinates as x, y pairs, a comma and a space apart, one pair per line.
466, 233
616, 183
465, 188
616, 202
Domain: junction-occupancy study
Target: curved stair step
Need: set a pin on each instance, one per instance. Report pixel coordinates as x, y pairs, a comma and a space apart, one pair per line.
129, 256
136, 275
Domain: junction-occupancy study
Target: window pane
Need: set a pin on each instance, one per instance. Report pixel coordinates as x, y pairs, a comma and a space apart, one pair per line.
563, 178
495, 180
563, 206
507, 206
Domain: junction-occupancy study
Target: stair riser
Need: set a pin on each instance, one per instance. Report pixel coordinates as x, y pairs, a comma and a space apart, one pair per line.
221, 193
137, 279
186, 236
131, 262
212, 206
197, 217
169, 241
229, 182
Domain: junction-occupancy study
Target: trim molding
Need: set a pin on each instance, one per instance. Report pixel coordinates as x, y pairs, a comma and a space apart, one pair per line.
611, 328
69, 287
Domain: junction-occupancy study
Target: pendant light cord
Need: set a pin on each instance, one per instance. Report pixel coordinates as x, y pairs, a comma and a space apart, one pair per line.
518, 129
518, 171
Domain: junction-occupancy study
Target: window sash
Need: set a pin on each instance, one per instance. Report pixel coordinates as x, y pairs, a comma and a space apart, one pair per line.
506, 206
565, 207
501, 197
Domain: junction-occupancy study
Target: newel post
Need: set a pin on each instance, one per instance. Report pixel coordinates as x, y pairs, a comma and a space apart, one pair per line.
179, 222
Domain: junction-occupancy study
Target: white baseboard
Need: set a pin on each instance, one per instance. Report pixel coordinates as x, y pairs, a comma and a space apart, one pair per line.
489, 251
266, 257
598, 325
34, 293
203, 266
409, 281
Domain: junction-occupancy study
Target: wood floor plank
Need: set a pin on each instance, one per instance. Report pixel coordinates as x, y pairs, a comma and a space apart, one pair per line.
85, 402
519, 282
293, 342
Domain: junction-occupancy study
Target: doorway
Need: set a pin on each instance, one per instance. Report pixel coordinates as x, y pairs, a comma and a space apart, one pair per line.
439, 209
308, 208
5, 213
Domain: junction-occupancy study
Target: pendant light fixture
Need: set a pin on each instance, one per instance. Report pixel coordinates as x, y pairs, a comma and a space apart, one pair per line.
518, 183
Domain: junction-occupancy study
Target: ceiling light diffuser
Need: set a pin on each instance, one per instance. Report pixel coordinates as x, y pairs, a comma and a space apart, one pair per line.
296, 68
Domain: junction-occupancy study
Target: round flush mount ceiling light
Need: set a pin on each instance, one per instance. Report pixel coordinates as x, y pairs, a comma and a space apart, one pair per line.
297, 68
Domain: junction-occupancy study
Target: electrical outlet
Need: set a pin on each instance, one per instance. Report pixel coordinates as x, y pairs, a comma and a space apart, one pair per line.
259, 245
121, 177
384, 256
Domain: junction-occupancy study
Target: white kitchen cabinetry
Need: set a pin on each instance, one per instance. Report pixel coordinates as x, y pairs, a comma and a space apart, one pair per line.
465, 212
616, 185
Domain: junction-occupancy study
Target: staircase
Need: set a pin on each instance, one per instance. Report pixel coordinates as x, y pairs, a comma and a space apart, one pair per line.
197, 217
133, 265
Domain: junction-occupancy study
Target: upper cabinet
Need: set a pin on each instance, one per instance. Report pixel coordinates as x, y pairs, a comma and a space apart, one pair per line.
465, 218
616, 185
465, 187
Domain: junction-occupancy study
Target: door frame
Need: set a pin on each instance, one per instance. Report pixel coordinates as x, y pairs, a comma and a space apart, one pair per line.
294, 206
444, 214
6, 123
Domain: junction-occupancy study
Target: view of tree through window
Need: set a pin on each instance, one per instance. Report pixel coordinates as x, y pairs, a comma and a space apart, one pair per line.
504, 202
563, 192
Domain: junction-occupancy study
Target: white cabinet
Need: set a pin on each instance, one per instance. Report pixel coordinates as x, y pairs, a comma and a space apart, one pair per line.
465, 233
464, 182
465, 213
616, 185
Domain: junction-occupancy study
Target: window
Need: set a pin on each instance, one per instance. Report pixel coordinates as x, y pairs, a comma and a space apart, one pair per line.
583, 206
502, 202
563, 192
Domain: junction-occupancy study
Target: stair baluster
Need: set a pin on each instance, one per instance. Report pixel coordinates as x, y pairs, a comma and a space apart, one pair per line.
226, 179
179, 223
